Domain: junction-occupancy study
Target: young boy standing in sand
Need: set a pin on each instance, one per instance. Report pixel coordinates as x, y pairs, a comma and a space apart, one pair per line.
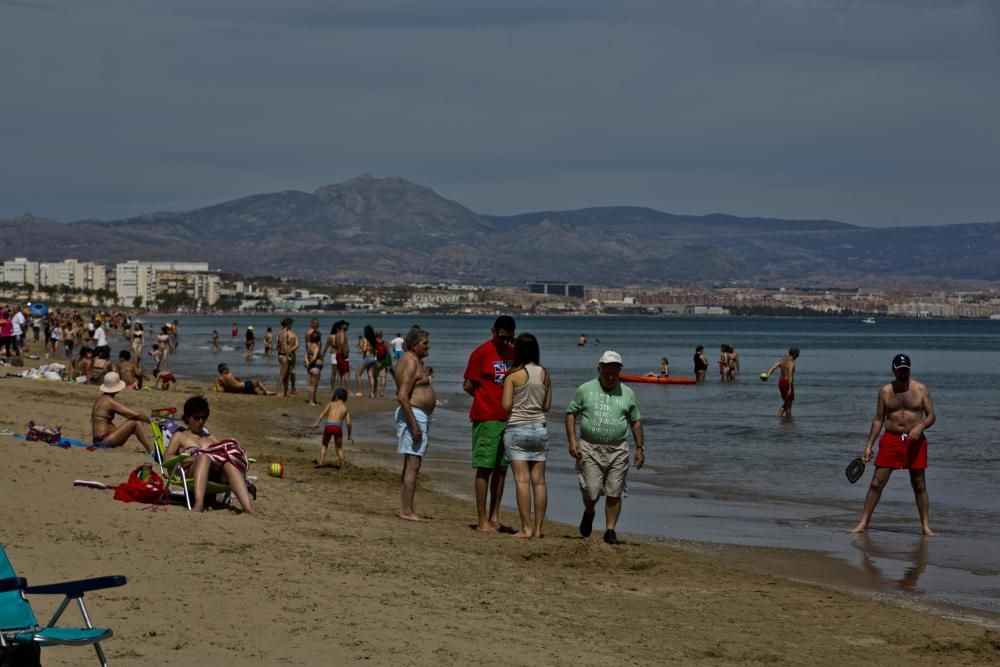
336, 417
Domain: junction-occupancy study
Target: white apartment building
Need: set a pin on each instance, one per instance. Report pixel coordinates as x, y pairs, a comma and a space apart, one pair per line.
71, 273
207, 287
19, 271
137, 280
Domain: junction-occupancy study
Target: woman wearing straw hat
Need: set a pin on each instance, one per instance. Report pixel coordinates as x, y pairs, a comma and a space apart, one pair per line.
106, 408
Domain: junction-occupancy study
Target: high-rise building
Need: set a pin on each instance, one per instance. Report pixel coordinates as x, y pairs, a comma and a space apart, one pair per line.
135, 283
144, 280
74, 274
19, 271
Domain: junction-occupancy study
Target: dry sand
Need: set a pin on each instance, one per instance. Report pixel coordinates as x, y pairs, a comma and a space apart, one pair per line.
330, 576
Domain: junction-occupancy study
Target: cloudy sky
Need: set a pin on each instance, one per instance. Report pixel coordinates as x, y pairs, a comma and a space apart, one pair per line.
876, 112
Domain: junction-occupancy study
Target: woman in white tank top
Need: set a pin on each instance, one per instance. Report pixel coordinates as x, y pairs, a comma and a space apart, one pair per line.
527, 394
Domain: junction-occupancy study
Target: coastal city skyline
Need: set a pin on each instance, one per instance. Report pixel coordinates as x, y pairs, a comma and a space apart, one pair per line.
194, 287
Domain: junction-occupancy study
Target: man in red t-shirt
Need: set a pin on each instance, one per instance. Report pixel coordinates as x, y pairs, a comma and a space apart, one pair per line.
484, 375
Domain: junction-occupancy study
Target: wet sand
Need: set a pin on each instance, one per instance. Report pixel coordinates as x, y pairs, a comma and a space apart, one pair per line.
330, 576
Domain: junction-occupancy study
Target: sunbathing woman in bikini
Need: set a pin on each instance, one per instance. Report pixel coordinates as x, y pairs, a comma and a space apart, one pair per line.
102, 416
219, 460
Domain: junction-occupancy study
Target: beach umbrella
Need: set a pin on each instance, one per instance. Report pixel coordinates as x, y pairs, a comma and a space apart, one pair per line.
39, 309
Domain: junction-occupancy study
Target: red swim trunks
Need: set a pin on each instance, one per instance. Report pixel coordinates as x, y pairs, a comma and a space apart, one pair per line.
896, 450
333, 430
787, 390
343, 364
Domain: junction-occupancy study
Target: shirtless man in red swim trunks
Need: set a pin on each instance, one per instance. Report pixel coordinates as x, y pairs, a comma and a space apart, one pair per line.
906, 410
786, 385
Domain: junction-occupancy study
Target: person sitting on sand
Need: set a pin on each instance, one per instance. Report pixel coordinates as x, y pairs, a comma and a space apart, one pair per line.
231, 384
100, 366
106, 434
664, 370
336, 417
211, 459
130, 374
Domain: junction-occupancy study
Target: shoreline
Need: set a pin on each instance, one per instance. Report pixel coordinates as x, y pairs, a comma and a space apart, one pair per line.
331, 566
447, 473
706, 515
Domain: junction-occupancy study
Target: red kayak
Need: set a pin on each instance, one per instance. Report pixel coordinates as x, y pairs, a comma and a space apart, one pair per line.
656, 380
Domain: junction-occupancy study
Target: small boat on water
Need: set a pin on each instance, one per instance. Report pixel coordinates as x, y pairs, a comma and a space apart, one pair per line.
656, 380
868, 320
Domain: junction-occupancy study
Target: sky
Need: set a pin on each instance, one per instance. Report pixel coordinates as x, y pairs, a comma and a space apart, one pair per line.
873, 112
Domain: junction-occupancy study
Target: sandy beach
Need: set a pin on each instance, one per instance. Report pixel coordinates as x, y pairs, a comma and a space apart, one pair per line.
330, 576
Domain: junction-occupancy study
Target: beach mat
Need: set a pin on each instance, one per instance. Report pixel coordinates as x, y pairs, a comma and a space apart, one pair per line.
65, 443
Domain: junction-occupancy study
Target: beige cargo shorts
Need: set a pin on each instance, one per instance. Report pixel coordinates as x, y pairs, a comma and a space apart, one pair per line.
601, 469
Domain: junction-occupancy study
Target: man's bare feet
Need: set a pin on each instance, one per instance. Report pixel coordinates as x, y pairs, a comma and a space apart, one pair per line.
413, 517
314, 404
927, 532
860, 528
523, 535
488, 528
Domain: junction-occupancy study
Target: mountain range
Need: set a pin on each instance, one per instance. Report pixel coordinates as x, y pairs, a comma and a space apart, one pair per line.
390, 230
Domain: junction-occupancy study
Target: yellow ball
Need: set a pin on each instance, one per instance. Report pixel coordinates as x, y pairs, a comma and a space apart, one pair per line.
763, 377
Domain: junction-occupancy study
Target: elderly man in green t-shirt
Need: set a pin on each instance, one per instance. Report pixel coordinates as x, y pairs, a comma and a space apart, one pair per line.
607, 412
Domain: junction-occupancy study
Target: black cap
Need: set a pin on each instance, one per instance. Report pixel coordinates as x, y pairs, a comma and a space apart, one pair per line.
900, 361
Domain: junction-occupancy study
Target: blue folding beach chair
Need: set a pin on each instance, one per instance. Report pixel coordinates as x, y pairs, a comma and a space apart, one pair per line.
18, 625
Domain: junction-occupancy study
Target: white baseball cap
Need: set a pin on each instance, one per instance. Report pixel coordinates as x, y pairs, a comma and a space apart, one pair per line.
611, 357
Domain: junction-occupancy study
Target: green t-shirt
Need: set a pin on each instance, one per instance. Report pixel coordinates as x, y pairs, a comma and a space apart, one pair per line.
606, 415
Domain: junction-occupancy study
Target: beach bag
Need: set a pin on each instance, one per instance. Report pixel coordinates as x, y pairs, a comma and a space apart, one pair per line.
143, 486
43, 434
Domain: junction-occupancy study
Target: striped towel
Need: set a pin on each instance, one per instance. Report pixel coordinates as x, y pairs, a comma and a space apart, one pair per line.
222, 452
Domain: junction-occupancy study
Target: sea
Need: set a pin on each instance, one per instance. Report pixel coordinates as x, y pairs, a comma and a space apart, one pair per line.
721, 467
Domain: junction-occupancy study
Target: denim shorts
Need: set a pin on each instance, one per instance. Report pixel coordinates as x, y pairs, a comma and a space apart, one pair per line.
526, 442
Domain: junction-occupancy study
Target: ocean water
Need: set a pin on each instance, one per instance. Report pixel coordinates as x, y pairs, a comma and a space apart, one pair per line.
721, 467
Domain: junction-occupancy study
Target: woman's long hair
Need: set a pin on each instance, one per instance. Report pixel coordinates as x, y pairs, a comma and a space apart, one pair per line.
526, 351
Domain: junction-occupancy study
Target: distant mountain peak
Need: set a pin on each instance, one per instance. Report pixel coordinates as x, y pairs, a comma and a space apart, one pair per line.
391, 229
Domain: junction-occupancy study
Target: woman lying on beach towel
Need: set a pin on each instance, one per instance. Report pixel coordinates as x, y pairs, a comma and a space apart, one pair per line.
211, 458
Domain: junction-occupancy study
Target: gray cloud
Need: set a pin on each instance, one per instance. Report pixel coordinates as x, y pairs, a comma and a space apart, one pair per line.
871, 112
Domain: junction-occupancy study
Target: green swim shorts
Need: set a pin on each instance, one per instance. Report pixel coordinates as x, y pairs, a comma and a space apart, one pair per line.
487, 445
